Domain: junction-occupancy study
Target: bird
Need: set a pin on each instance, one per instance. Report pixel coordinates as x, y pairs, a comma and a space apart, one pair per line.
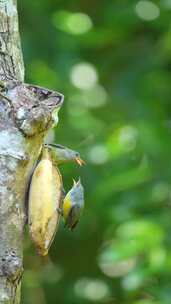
73, 205
61, 154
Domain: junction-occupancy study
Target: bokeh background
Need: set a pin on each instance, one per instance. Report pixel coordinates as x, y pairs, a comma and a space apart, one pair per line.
112, 61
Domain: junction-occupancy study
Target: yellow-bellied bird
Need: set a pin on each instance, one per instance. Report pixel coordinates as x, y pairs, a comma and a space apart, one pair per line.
73, 205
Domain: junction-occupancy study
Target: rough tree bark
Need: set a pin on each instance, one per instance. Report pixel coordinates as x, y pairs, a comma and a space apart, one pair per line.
26, 114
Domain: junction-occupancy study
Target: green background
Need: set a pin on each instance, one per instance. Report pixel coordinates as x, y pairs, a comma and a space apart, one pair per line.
113, 64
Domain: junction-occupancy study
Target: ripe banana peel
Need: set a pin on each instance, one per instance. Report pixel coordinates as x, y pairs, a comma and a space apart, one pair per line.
45, 196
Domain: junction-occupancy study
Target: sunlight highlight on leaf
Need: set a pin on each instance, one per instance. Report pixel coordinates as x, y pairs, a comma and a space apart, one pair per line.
83, 75
73, 23
147, 10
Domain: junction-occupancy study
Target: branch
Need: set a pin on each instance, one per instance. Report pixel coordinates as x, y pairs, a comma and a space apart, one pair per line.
11, 60
26, 114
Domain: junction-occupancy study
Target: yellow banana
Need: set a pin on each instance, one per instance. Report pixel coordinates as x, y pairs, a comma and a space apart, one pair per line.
45, 196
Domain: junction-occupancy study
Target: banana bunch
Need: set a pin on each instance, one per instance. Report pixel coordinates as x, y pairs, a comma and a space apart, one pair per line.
45, 201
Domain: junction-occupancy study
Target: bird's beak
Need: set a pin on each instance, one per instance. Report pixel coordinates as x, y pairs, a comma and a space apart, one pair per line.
80, 161
74, 182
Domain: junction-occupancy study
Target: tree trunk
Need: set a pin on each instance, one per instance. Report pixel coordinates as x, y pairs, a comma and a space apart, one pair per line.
26, 114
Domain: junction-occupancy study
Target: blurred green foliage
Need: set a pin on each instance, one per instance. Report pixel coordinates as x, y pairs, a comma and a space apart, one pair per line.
112, 61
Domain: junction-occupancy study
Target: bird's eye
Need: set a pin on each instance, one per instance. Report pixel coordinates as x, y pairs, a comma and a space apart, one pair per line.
77, 154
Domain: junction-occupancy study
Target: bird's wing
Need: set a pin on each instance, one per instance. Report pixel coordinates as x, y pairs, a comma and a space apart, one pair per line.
73, 217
